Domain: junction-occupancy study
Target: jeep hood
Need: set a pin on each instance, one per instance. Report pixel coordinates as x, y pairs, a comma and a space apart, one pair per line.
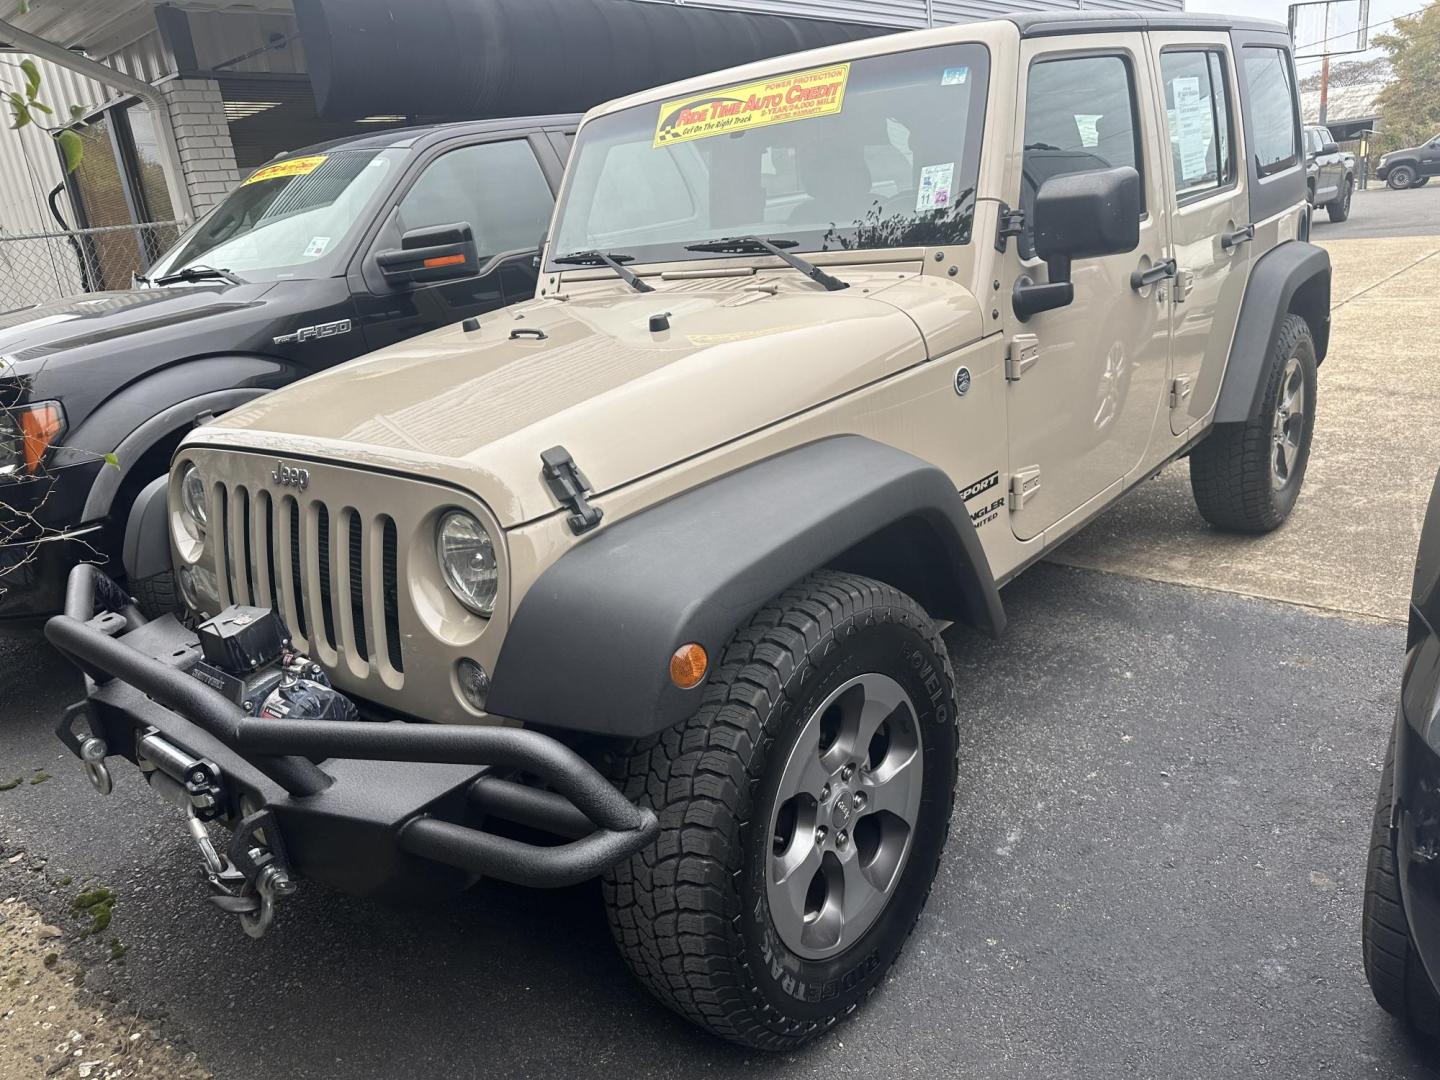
477, 408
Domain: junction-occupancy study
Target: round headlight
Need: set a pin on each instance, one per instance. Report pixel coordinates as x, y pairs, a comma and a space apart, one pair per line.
193, 514
467, 559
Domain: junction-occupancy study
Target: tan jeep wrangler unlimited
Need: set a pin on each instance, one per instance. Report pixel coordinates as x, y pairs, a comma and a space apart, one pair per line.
647, 575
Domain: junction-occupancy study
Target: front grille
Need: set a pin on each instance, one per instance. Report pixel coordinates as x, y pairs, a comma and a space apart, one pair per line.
314, 566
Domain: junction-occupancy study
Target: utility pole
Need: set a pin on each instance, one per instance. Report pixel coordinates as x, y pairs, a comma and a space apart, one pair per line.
1324, 87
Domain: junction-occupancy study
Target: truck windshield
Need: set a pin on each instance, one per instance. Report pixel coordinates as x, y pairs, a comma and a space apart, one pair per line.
875, 153
286, 219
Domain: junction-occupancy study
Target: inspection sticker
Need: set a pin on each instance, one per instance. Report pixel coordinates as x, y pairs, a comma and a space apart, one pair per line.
802, 95
935, 184
300, 166
955, 76
316, 247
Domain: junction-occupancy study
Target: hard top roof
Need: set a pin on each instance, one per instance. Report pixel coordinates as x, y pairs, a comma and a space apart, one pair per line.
1050, 23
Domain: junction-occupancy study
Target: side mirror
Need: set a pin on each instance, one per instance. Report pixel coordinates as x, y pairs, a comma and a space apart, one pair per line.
1330, 148
1078, 216
437, 253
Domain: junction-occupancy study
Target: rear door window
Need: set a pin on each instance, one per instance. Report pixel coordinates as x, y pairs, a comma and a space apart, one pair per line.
1197, 113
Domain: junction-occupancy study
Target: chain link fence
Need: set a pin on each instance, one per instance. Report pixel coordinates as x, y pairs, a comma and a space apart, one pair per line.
41, 267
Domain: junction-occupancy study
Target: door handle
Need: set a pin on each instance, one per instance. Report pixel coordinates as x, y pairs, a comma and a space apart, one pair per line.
1243, 235
1140, 279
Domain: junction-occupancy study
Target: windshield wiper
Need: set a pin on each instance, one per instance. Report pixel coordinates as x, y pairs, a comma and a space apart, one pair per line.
198, 273
614, 262
754, 245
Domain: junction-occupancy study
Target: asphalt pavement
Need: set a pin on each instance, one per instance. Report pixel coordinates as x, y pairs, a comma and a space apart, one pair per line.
1156, 869
1378, 211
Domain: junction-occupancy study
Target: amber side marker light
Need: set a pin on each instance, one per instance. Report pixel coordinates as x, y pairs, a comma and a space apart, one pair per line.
688, 666
443, 260
40, 426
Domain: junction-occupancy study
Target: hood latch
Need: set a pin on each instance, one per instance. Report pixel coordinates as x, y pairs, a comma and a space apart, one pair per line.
569, 486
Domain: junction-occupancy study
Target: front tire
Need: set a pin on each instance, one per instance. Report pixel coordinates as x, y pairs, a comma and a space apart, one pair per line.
1247, 476
1339, 209
1401, 177
819, 769
156, 595
1392, 966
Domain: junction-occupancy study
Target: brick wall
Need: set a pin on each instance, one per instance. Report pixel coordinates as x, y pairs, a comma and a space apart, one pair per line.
206, 153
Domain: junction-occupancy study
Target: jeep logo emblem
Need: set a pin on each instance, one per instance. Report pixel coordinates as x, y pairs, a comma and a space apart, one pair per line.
290, 476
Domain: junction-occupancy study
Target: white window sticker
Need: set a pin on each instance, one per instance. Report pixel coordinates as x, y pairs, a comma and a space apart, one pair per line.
935, 184
1192, 128
956, 76
316, 247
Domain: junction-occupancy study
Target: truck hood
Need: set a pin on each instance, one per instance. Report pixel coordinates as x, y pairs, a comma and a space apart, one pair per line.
62, 331
477, 408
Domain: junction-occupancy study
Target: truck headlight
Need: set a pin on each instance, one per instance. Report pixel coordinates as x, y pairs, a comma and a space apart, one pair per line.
467, 559
26, 433
194, 515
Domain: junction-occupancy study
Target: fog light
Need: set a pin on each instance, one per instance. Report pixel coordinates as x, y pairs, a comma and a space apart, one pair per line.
474, 683
187, 588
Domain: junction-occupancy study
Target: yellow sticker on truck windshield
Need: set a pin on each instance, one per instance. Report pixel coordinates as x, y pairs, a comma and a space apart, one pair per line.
300, 166
802, 95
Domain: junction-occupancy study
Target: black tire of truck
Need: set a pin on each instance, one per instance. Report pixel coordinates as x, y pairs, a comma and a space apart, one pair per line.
155, 595
1421, 181
1392, 966
692, 913
1401, 177
1233, 472
1339, 209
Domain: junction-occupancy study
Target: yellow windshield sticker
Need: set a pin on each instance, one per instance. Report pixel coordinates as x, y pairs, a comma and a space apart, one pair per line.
300, 166
803, 95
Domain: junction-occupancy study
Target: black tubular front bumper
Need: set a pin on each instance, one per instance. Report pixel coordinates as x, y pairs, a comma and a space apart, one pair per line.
367, 807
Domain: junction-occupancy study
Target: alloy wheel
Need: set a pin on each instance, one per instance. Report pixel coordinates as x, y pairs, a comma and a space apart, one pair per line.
1289, 424
845, 815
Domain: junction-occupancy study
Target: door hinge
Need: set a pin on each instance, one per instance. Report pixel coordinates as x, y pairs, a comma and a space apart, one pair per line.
1179, 390
1024, 351
1011, 223
569, 486
1023, 484
1184, 282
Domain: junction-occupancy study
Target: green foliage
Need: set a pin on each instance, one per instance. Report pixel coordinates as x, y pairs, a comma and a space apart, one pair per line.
11, 785
1409, 106
25, 105
71, 147
98, 904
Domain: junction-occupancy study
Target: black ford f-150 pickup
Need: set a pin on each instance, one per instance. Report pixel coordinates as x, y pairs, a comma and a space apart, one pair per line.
316, 258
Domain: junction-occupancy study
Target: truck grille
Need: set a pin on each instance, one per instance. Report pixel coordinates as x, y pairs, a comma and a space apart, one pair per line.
332, 575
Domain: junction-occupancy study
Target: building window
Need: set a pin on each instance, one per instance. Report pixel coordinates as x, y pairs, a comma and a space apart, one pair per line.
120, 182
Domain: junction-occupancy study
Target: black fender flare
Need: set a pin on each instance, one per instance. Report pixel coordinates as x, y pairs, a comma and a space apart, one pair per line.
1293, 277
156, 407
589, 645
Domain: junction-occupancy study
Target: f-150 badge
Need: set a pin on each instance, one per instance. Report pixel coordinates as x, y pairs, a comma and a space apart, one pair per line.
311, 333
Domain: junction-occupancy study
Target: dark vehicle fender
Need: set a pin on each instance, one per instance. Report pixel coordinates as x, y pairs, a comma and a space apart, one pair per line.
1293, 277
147, 412
589, 646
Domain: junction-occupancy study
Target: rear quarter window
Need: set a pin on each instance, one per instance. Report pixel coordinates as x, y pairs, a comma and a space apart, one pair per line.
1274, 111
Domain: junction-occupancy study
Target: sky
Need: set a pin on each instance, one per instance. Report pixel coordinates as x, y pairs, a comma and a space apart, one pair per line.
1380, 11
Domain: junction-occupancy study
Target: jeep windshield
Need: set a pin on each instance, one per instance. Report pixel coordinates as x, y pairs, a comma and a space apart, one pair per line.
287, 219
879, 152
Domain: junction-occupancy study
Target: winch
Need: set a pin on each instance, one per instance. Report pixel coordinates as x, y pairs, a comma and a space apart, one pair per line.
248, 657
